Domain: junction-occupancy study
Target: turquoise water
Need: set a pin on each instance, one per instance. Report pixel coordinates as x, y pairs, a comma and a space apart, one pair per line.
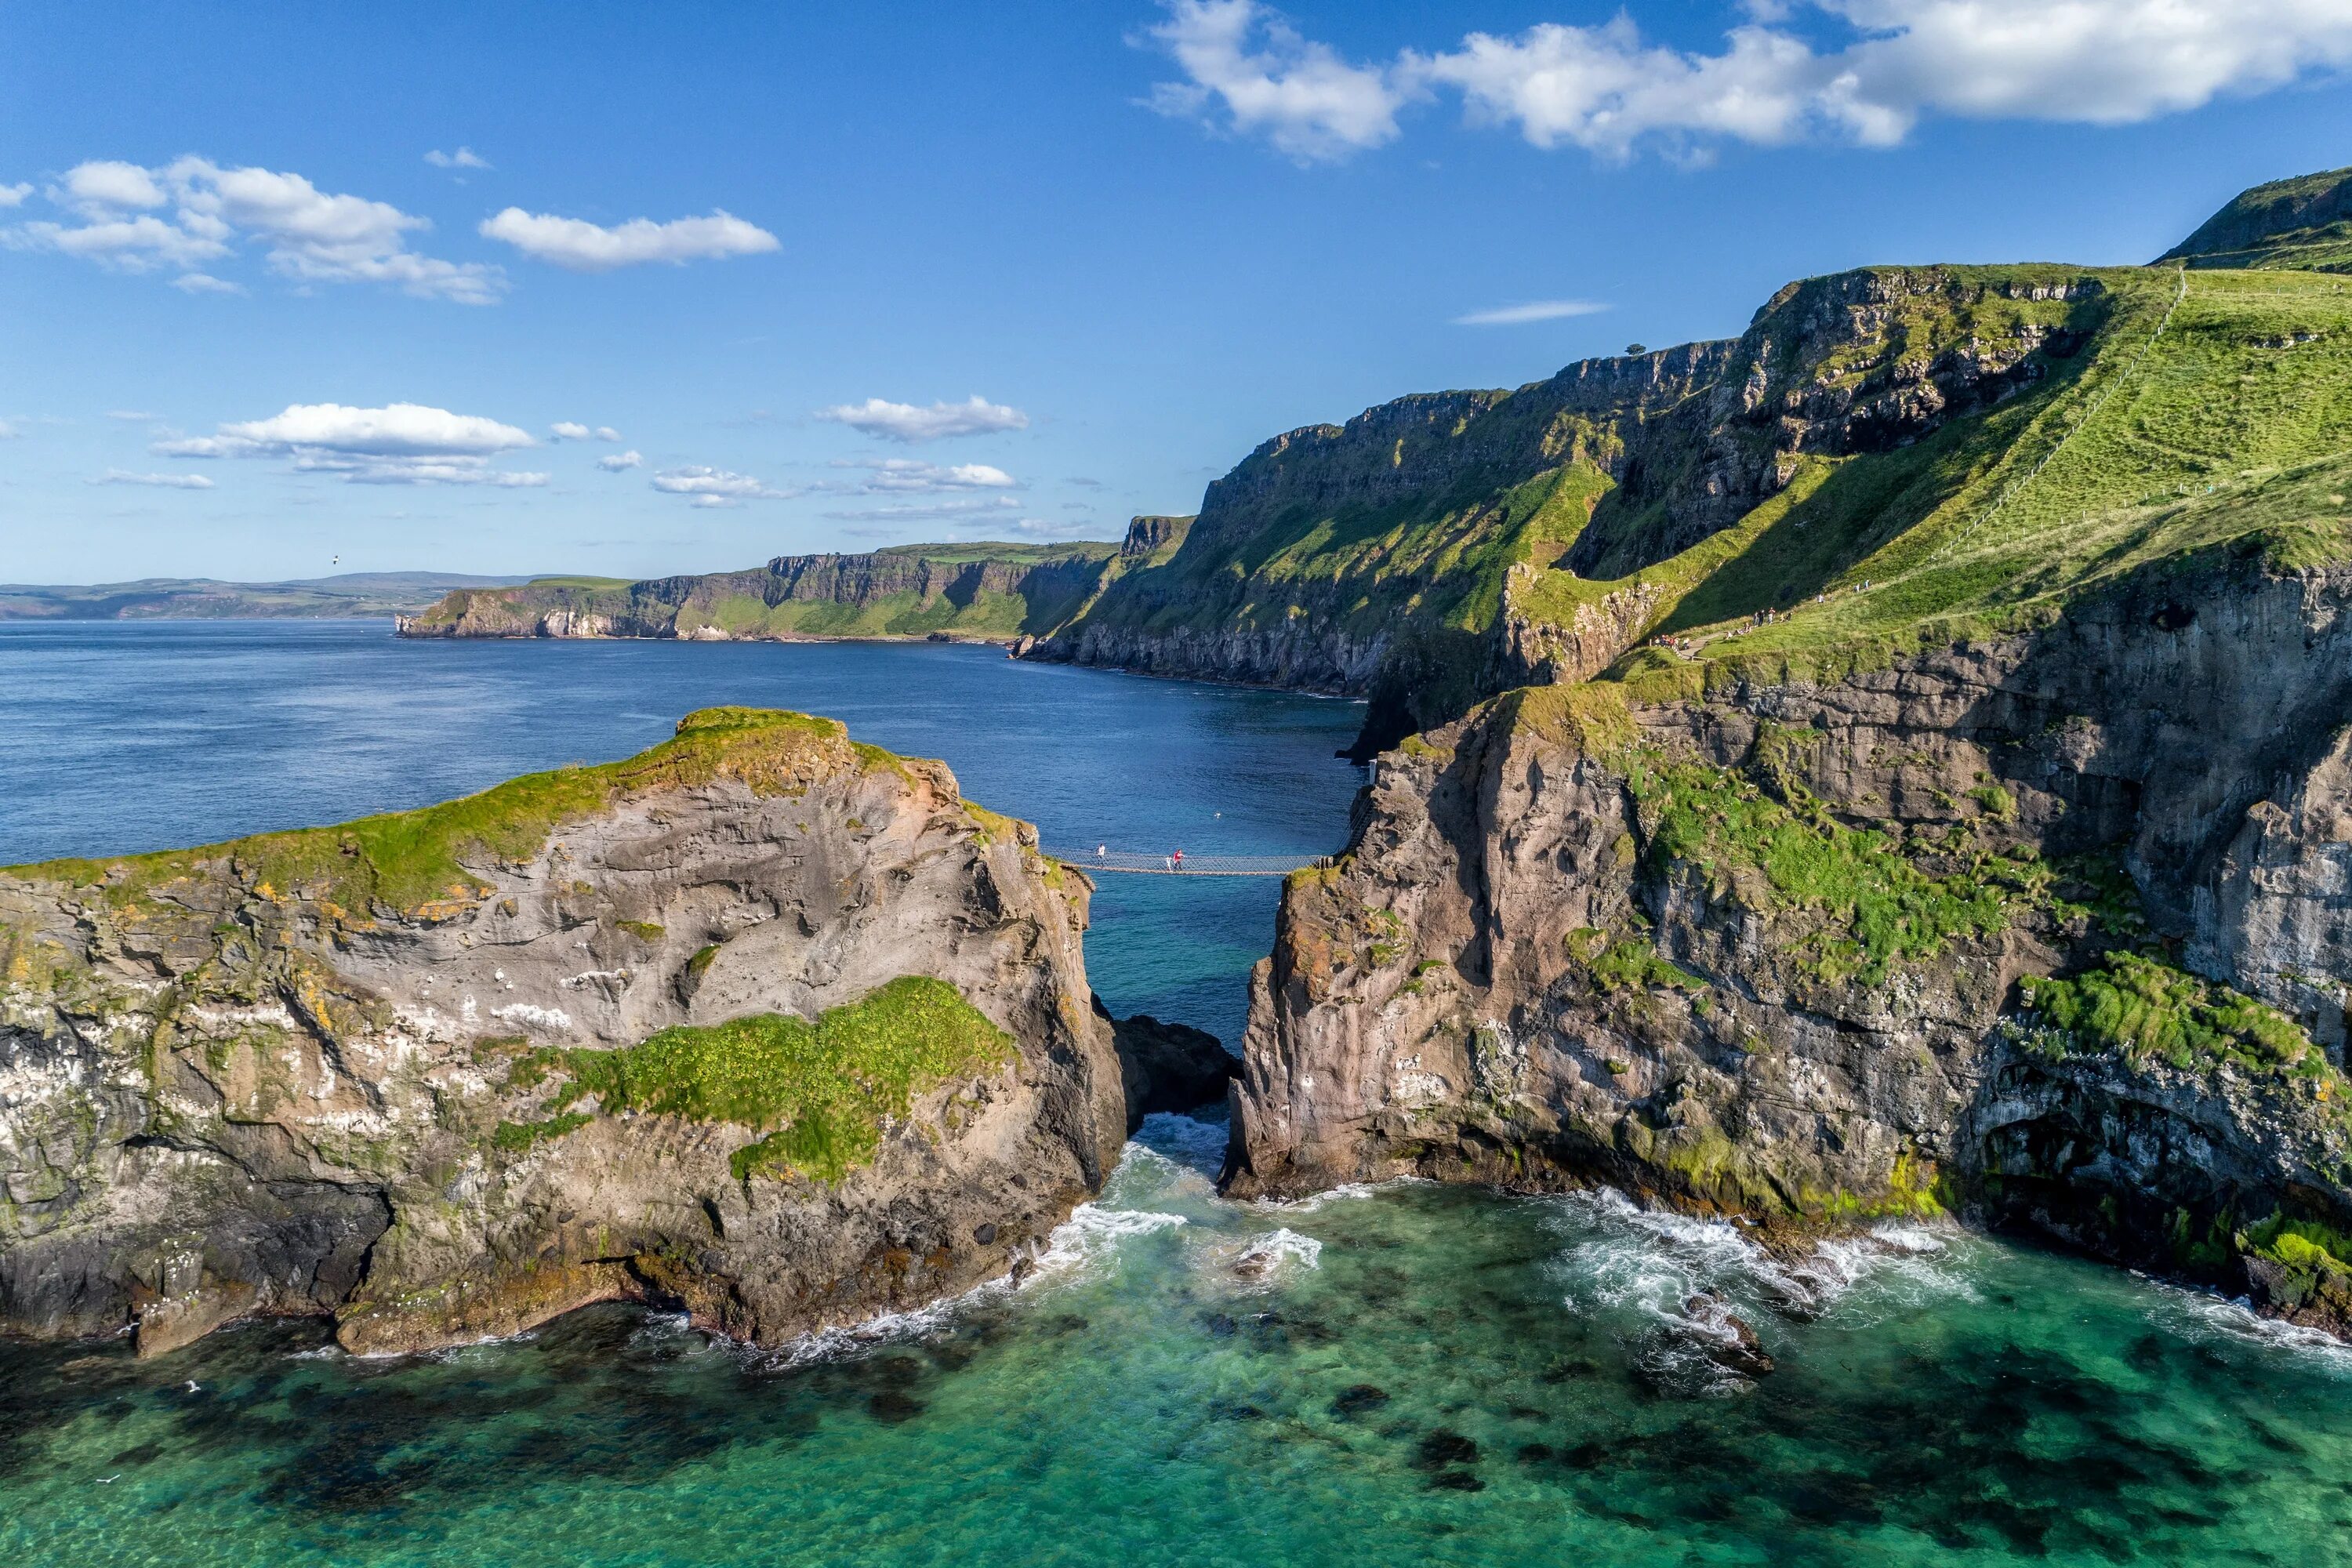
1405, 1374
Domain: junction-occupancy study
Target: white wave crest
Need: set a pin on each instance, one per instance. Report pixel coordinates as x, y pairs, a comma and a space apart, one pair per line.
1261, 1261
1622, 1256
1340, 1193
855, 1340
1090, 1232
2196, 1314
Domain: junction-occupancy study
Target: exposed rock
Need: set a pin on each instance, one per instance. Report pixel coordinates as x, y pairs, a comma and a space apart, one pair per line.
414, 1072
1169, 1066
1575, 940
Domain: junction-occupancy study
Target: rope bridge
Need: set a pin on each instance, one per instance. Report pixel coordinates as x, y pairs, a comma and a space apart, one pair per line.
1190, 865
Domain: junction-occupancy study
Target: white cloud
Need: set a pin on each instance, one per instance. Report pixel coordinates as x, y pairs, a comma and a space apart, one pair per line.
607, 433
906, 422
1535, 311
1300, 94
1885, 65
10, 431
570, 430
96, 188
140, 244
715, 487
13, 195
203, 283
166, 481
463, 158
400, 443
584, 247
131, 415
906, 476
311, 235
615, 462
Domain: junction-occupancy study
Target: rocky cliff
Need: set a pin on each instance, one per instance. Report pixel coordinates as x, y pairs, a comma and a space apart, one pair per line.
1373, 558
2042, 927
761, 1022
978, 591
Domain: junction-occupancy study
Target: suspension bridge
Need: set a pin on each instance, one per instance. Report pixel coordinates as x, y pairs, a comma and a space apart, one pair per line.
1172, 865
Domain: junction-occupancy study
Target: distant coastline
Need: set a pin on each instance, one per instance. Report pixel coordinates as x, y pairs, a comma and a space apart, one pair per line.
351, 595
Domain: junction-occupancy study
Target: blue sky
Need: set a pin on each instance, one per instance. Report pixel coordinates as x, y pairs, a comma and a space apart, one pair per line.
1142, 237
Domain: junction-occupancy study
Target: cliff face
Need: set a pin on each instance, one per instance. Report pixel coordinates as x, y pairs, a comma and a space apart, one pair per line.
760, 1023
998, 591
1785, 949
1373, 558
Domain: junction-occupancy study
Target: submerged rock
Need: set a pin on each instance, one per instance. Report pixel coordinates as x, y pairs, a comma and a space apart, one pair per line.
761, 1022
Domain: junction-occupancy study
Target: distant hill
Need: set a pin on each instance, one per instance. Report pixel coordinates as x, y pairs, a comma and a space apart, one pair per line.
353, 594
2304, 223
977, 590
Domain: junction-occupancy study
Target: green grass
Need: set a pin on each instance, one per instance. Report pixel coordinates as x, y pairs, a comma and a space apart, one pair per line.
594, 584
1784, 849
2236, 424
819, 1093
1631, 964
410, 859
2141, 1008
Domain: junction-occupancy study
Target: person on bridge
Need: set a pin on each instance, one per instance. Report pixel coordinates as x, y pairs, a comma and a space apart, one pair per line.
1176, 861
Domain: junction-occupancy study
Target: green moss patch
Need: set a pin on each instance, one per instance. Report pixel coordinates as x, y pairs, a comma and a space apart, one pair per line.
1787, 850
2141, 1008
819, 1092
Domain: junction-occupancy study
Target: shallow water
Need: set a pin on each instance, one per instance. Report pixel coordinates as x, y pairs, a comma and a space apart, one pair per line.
1415, 1373
1411, 1374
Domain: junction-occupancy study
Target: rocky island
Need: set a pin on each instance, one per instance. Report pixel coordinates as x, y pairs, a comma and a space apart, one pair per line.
763, 1024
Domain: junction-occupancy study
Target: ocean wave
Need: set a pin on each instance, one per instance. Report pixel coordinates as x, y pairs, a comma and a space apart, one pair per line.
1259, 1262
1621, 1256
1184, 1141
2200, 1314
853, 1341
1090, 1232
1340, 1193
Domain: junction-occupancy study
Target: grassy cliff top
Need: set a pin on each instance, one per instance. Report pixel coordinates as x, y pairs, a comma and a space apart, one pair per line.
991, 549
2214, 407
408, 860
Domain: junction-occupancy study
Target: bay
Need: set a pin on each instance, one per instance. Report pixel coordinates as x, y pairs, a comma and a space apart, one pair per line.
1407, 1373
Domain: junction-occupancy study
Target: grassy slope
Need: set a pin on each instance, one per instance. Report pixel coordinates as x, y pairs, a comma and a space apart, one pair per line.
410, 859
820, 1092
2152, 446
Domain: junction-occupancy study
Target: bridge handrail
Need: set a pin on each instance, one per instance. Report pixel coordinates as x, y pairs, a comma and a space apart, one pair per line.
1192, 865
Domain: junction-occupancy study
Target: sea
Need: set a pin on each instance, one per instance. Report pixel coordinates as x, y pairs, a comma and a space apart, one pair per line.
1399, 1374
